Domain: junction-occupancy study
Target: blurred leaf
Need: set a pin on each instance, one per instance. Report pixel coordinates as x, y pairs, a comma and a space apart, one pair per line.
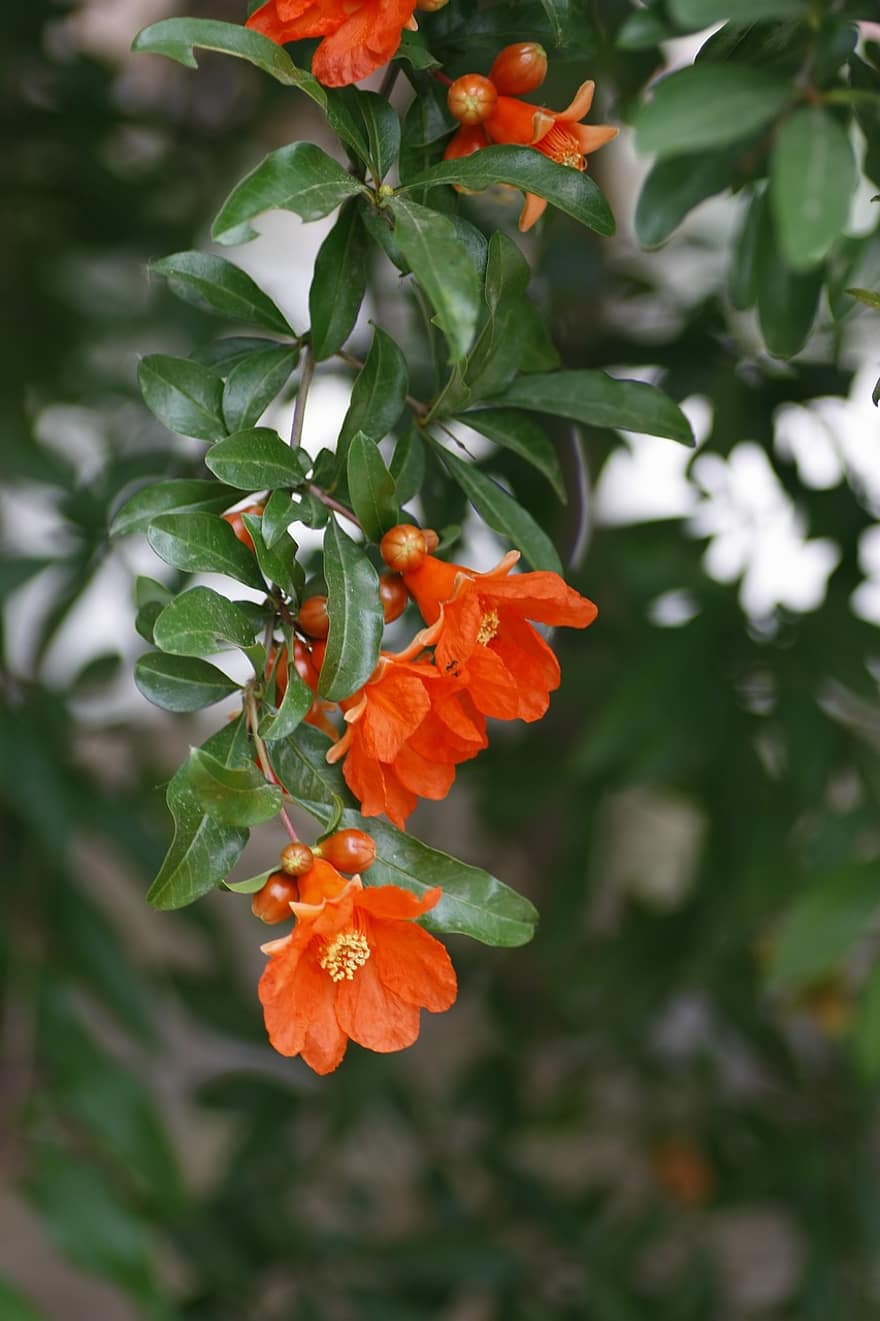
869, 297
558, 13
824, 923
185, 396
253, 383
812, 179
707, 105
300, 178
203, 851
701, 13
203, 543
15, 1307
643, 30
257, 460
674, 186
600, 401
371, 488
866, 1034
215, 285
238, 796
441, 264
16, 571
178, 683
787, 300
356, 616
200, 622
338, 283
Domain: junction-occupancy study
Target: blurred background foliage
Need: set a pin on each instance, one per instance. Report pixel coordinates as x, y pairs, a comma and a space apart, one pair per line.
668, 1101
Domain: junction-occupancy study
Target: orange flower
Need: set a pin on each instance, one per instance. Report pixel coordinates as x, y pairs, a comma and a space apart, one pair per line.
481, 637
554, 133
359, 35
408, 729
355, 966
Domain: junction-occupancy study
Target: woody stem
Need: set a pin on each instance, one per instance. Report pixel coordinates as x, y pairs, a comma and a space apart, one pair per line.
332, 504
263, 757
302, 394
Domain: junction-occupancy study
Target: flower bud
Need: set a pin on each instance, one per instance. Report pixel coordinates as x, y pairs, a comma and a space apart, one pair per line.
236, 522
272, 903
403, 548
297, 859
519, 68
393, 595
349, 851
280, 670
312, 617
472, 98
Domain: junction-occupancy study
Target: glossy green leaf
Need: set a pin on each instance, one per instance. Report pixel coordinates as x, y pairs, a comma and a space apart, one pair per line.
295, 706
257, 460
708, 105
177, 37
278, 563
382, 128
378, 396
571, 191
201, 622
442, 265
253, 383
823, 924
474, 903
408, 464
812, 179
693, 14
203, 850
599, 400
226, 353
356, 617
339, 283
251, 885
203, 543
278, 514
181, 683
235, 795
185, 396
215, 285
139, 510
371, 488
300, 178
493, 360
519, 433
502, 512
674, 186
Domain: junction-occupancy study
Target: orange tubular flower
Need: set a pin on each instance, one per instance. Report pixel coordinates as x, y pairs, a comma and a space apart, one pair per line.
556, 134
408, 729
356, 966
359, 35
481, 636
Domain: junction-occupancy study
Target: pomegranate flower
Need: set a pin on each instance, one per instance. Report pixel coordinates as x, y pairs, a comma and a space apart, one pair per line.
356, 966
359, 35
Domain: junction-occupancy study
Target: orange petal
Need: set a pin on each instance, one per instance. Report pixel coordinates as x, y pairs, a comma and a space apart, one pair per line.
580, 106
514, 121
372, 1015
544, 597
414, 965
291, 990
492, 686
432, 583
367, 39
395, 708
429, 777
461, 624
392, 901
325, 1041
531, 662
591, 137
532, 211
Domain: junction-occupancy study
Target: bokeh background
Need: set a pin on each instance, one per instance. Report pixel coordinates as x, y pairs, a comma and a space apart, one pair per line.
666, 1106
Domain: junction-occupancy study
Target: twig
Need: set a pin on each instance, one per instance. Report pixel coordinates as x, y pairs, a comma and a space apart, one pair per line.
302, 394
332, 504
387, 85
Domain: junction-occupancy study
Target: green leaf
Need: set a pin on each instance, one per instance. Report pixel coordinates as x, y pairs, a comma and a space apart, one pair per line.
253, 383
558, 16
812, 179
408, 464
694, 14
139, 510
824, 923
413, 49
181, 683
599, 400
150, 598
371, 488
278, 514
295, 706
517, 432
201, 622
15, 1307
203, 543
300, 178
356, 617
235, 795
277, 565
224, 354
339, 283
866, 1035
743, 279
177, 37
569, 190
442, 265
474, 903
493, 361
203, 851
215, 285
382, 131
378, 396
708, 105
502, 512
257, 460
787, 300
251, 885
674, 186
185, 396
643, 29
870, 297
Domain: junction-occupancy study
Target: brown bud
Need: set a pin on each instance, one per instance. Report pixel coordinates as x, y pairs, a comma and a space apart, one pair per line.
272, 903
297, 859
393, 595
403, 548
312, 617
349, 851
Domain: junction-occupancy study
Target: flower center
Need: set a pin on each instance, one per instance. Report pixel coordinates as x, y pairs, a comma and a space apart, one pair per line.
489, 626
344, 954
561, 145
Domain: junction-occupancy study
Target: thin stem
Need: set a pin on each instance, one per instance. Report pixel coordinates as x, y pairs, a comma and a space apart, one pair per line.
442, 78
332, 504
302, 395
263, 757
390, 78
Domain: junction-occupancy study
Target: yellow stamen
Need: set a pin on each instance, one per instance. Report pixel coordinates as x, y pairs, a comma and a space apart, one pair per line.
561, 145
489, 626
344, 955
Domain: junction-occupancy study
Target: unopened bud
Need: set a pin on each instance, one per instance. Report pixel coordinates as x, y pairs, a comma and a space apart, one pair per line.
349, 851
519, 68
297, 859
312, 617
272, 903
472, 98
403, 548
393, 595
